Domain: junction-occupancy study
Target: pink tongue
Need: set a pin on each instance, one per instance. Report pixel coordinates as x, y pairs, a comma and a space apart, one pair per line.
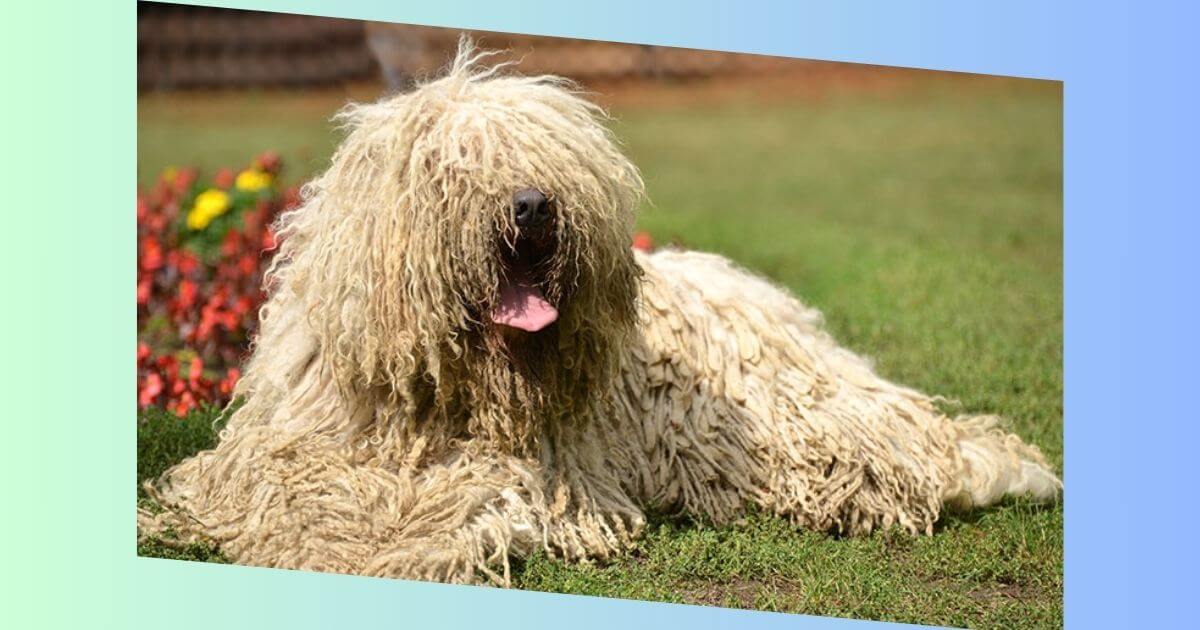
523, 306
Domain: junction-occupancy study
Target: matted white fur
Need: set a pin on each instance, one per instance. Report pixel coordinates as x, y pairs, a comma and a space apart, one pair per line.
389, 429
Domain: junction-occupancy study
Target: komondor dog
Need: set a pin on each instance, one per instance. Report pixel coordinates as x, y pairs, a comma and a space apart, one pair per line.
462, 360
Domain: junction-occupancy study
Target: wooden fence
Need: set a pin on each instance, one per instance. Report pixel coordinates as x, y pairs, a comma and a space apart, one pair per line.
406, 51
183, 46
199, 47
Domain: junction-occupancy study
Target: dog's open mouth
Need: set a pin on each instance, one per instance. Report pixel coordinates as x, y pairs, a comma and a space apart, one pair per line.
522, 304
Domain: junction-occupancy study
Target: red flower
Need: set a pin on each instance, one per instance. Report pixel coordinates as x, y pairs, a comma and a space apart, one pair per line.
150, 389
187, 294
224, 178
183, 180
268, 240
168, 365
291, 197
642, 241
247, 264
229, 382
231, 244
184, 404
184, 261
195, 372
243, 305
268, 161
152, 255
144, 289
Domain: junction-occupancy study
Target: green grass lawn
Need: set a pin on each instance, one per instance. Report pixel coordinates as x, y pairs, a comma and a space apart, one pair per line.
925, 222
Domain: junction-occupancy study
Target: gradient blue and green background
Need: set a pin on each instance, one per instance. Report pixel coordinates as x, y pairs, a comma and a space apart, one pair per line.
1131, 266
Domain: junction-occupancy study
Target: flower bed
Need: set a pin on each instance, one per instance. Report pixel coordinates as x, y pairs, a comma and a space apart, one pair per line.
202, 249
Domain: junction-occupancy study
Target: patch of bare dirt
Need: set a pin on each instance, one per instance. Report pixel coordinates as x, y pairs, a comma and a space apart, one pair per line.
743, 593
999, 592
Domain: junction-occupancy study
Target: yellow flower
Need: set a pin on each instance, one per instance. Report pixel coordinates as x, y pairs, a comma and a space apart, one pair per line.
210, 204
252, 180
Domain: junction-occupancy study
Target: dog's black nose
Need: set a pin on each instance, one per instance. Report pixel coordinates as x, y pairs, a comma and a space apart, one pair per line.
530, 208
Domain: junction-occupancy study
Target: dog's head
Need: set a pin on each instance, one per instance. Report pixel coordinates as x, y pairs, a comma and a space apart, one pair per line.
471, 238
